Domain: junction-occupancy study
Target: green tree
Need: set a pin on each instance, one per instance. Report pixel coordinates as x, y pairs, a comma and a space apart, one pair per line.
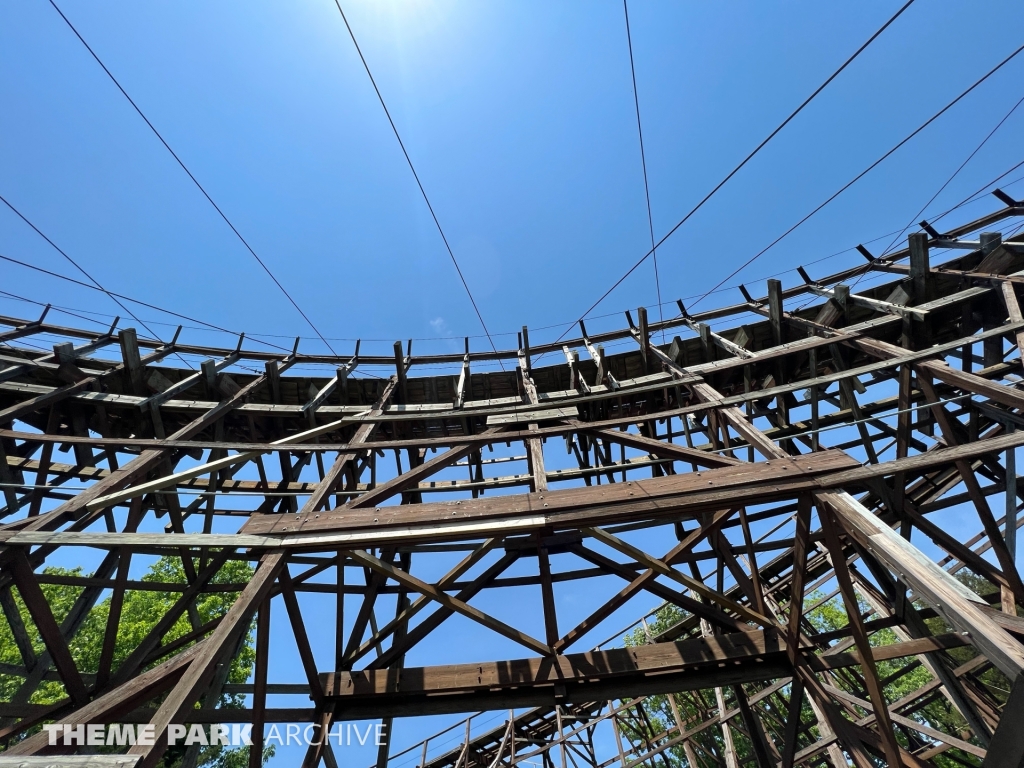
141, 610
901, 677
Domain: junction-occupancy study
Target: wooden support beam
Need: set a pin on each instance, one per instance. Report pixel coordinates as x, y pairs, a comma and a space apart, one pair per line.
401, 369
132, 360
637, 671
775, 310
188, 689
411, 582
920, 269
39, 609
947, 596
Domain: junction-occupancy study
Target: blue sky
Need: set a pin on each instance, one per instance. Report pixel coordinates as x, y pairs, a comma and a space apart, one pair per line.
520, 120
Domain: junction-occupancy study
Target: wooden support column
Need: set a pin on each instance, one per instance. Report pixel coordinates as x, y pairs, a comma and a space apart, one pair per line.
401, 370
132, 361
42, 616
645, 338
259, 697
547, 596
534, 446
870, 671
192, 683
775, 310
919, 267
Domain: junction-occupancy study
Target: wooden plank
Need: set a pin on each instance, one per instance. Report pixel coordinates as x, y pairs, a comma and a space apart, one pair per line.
937, 587
663, 449
534, 416
594, 505
415, 475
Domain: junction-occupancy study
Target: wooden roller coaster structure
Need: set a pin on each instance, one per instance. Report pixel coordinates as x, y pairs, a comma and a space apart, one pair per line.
820, 447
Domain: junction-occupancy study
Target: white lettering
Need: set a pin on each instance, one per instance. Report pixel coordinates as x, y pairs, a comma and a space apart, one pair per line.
146, 735
52, 729
218, 735
292, 733
74, 735
275, 733
308, 736
174, 732
94, 734
340, 734
363, 737
379, 740
241, 734
120, 735
196, 735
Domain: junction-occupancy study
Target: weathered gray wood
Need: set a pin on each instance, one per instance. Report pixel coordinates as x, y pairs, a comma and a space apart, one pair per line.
920, 269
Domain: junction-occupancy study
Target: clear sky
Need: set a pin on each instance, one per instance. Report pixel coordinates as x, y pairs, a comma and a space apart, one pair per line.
519, 117
520, 120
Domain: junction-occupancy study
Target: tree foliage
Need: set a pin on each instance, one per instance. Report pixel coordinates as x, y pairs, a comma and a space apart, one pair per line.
901, 677
141, 610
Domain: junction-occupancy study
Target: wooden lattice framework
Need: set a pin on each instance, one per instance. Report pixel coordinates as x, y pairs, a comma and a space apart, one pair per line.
811, 448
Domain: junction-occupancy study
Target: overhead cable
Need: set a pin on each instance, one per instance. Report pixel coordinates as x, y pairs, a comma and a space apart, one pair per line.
194, 179
863, 173
643, 164
416, 176
745, 160
80, 268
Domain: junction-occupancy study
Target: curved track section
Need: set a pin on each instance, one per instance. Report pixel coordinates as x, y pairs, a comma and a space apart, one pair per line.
815, 489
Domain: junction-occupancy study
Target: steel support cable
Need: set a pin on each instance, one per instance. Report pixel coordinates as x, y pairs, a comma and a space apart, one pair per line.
129, 298
76, 265
63, 310
862, 174
982, 191
745, 160
416, 176
95, 283
257, 336
643, 164
194, 179
916, 217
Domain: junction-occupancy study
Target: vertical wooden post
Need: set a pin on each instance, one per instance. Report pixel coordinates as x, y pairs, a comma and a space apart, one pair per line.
707, 346
259, 697
641, 313
813, 374
526, 350
547, 596
1010, 523
132, 361
400, 368
992, 347
841, 296
990, 241
775, 310
919, 267
274, 380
